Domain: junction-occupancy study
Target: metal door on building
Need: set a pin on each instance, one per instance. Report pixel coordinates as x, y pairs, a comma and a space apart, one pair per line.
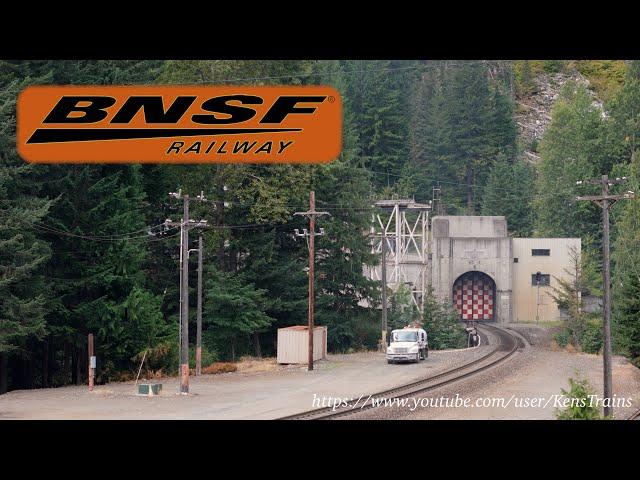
474, 297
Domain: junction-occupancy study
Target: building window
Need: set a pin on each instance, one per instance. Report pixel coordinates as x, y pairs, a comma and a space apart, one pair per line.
545, 280
540, 252
515, 259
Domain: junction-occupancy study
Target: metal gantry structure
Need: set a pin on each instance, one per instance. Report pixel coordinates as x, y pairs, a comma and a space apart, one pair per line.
404, 225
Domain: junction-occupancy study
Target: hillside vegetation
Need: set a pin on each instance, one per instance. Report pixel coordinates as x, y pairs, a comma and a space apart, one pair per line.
497, 137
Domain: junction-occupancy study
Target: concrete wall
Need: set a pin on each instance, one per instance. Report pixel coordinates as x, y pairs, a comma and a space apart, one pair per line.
524, 293
462, 244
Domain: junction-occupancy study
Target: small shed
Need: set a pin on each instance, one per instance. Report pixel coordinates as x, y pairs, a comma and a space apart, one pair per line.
293, 344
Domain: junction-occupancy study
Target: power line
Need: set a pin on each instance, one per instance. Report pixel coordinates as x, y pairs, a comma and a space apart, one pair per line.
605, 200
425, 66
185, 225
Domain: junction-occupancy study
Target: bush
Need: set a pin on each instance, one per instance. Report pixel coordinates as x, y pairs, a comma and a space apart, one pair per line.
580, 407
553, 66
591, 340
220, 367
443, 326
208, 356
562, 337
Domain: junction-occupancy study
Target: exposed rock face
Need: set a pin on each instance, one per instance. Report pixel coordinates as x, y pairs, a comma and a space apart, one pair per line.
533, 112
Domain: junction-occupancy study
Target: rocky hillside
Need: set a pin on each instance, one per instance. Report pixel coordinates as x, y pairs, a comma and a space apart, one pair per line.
533, 112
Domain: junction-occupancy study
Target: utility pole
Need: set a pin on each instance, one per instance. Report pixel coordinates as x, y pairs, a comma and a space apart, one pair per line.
605, 200
383, 272
311, 214
436, 199
383, 282
538, 275
185, 225
199, 316
92, 361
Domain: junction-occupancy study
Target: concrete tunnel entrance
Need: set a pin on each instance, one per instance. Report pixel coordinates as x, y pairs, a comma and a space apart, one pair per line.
474, 296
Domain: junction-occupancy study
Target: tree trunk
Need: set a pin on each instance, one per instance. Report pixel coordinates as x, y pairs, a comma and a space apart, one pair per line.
28, 369
79, 364
74, 365
66, 363
233, 350
45, 363
256, 344
3, 373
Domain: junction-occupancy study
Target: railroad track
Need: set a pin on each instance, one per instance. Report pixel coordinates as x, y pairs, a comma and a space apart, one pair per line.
635, 415
508, 344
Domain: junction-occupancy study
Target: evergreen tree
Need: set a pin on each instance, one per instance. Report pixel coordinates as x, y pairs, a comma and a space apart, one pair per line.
573, 148
23, 294
379, 114
461, 124
233, 307
99, 234
342, 188
509, 192
627, 325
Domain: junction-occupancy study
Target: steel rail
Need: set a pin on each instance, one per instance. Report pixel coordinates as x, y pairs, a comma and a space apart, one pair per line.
635, 415
419, 386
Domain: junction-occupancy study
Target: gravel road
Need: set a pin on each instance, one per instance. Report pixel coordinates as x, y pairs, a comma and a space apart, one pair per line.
257, 395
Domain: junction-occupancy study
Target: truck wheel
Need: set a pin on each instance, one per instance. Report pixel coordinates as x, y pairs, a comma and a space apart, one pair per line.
426, 353
389, 362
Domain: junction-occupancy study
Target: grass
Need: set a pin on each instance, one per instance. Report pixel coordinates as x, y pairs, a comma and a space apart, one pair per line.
547, 324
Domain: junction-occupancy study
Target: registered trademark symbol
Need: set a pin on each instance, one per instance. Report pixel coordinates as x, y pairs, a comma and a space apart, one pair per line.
331, 99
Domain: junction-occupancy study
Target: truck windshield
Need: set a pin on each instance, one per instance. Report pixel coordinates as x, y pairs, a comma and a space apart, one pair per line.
405, 336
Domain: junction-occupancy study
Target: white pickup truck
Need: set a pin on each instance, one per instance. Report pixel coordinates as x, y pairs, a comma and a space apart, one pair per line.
408, 344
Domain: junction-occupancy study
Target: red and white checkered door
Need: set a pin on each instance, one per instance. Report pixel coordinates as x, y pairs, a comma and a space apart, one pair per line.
473, 296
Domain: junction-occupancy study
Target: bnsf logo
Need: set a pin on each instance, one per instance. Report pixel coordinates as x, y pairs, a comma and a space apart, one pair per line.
179, 124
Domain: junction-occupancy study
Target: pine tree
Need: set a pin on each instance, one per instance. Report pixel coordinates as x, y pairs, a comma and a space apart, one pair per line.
573, 148
378, 105
23, 294
509, 192
233, 307
343, 188
98, 231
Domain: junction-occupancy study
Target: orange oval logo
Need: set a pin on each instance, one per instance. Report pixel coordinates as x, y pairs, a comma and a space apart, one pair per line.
179, 124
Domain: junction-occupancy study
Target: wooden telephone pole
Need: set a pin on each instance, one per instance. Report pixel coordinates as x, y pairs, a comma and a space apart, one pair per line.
605, 200
199, 314
185, 225
311, 214
383, 281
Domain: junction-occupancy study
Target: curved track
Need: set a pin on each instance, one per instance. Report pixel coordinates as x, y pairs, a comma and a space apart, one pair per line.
508, 344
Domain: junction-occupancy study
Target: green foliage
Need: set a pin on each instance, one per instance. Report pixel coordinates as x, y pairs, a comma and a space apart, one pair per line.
76, 257
443, 325
553, 66
563, 337
378, 105
508, 192
461, 123
605, 76
23, 293
580, 406
568, 294
233, 307
208, 357
591, 340
524, 74
574, 147
403, 311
